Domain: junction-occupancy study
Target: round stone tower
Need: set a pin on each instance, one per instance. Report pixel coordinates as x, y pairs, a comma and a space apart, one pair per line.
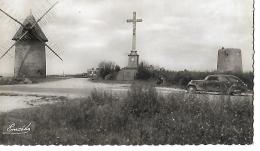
229, 60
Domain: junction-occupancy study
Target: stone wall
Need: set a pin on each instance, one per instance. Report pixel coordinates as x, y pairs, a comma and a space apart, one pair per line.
126, 74
30, 59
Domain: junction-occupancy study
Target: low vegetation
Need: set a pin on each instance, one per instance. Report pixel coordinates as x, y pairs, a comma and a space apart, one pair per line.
140, 117
143, 72
12, 81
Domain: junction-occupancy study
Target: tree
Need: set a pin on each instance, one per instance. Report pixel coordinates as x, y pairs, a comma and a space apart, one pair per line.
117, 68
143, 72
106, 68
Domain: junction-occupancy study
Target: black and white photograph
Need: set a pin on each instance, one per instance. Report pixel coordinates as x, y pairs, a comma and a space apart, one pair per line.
127, 72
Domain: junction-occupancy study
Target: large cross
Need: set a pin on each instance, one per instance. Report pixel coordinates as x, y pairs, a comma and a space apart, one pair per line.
134, 21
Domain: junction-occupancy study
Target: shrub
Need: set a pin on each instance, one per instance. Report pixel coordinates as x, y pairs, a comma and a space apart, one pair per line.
248, 78
106, 68
142, 102
143, 72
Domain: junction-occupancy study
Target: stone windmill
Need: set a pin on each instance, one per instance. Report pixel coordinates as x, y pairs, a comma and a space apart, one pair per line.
30, 43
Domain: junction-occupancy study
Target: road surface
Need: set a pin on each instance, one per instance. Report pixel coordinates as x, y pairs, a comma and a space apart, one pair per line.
74, 87
29, 95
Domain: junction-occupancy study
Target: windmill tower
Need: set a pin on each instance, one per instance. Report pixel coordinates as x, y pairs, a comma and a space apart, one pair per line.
30, 42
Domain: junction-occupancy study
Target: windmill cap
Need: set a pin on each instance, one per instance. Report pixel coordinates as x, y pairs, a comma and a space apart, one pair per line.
28, 22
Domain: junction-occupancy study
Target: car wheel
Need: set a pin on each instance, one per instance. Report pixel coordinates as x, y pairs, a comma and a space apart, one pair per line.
192, 89
230, 91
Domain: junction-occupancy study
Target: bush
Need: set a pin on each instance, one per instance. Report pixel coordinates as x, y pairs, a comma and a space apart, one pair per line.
248, 78
142, 102
143, 73
106, 68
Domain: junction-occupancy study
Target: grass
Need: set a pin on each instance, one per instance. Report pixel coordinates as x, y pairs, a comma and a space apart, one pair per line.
142, 117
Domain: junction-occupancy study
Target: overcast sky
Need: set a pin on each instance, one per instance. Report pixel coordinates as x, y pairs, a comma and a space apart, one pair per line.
174, 34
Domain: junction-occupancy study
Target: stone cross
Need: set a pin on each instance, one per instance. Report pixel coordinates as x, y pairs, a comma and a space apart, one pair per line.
134, 21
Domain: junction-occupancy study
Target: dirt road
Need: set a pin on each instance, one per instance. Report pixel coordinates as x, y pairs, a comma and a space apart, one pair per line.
24, 96
74, 87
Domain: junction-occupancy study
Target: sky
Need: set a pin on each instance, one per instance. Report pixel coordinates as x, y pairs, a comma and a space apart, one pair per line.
174, 34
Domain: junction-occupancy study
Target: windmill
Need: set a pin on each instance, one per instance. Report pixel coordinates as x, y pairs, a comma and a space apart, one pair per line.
30, 43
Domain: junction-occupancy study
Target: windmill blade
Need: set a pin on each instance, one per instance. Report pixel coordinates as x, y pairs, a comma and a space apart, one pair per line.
36, 21
44, 14
13, 45
7, 51
53, 51
27, 30
11, 17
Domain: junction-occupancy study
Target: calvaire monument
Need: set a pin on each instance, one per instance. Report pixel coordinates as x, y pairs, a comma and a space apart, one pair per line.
129, 72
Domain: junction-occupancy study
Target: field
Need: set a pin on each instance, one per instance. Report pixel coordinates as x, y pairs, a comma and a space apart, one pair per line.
142, 116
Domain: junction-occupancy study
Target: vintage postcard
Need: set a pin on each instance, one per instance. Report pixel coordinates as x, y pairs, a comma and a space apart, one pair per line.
121, 72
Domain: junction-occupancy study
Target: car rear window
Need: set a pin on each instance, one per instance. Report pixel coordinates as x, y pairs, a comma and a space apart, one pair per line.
222, 78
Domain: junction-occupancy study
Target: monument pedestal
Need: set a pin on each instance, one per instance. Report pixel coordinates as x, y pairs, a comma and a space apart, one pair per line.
127, 74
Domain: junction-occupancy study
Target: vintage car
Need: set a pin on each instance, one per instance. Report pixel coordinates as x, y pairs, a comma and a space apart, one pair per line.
224, 84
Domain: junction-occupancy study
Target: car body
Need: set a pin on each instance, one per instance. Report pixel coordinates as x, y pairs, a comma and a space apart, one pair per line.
225, 84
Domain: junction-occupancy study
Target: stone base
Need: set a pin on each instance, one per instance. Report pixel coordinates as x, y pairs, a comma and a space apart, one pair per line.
126, 74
